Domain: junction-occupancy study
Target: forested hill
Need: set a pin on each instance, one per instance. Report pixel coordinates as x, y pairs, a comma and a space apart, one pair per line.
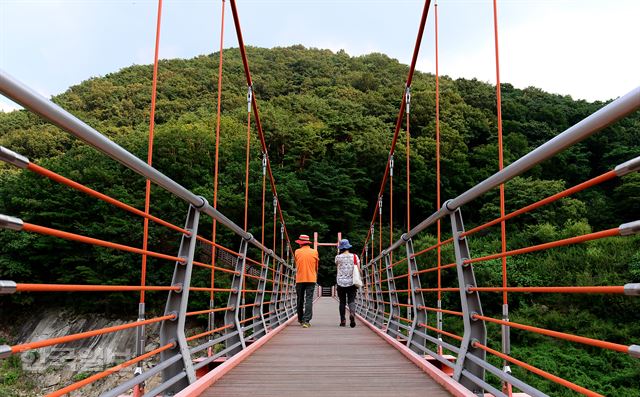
328, 120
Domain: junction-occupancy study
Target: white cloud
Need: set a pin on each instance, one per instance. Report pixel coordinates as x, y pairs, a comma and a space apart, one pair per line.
585, 50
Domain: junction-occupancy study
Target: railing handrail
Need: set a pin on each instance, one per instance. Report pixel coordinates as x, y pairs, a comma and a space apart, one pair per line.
605, 116
35, 102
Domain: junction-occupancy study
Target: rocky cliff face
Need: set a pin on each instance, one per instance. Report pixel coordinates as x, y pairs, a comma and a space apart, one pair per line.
54, 367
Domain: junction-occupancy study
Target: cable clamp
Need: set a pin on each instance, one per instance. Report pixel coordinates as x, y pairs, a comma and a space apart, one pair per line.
380, 205
445, 207
13, 158
629, 289
627, 167
634, 351
407, 98
507, 369
7, 287
205, 203
179, 290
626, 229
264, 164
391, 162
11, 223
249, 98
275, 204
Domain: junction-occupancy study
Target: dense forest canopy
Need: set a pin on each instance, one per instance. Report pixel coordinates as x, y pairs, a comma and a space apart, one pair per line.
328, 119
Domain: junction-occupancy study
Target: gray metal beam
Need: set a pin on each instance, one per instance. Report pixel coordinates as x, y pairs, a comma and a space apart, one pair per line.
470, 302
177, 302
394, 310
231, 317
417, 298
131, 383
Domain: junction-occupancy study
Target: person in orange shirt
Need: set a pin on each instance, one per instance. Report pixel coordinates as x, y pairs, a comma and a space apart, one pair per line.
307, 262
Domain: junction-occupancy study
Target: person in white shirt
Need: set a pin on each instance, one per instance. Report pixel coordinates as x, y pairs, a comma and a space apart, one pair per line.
345, 263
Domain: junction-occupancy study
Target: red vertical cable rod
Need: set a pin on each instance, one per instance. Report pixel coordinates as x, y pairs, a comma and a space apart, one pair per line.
500, 151
412, 67
408, 158
439, 233
246, 174
503, 227
264, 189
391, 165
438, 146
275, 207
380, 227
138, 390
152, 115
217, 153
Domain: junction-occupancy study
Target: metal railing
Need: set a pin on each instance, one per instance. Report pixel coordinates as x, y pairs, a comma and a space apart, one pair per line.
269, 282
379, 304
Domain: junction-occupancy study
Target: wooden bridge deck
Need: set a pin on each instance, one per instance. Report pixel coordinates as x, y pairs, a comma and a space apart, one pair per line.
326, 360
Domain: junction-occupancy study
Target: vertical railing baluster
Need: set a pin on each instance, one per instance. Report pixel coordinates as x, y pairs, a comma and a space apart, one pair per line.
394, 310
177, 301
275, 306
378, 318
418, 307
259, 323
474, 330
236, 342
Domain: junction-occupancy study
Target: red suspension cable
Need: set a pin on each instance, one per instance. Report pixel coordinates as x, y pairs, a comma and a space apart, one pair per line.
217, 153
152, 123
438, 225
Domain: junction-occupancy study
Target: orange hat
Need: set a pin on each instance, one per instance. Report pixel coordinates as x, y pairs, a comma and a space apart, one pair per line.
303, 239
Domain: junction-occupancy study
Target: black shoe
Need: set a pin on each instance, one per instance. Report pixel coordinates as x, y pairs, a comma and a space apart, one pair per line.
343, 323
352, 324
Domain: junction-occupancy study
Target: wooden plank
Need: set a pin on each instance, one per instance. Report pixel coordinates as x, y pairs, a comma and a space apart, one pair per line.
326, 360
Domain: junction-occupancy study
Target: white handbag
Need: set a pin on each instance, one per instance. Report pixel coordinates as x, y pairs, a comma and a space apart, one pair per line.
357, 279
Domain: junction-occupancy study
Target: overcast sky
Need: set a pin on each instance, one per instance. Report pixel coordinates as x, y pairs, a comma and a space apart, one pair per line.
583, 48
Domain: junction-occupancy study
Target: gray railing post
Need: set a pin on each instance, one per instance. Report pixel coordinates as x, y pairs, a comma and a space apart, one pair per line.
372, 302
287, 305
371, 305
418, 309
364, 293
177, 301
259, 323
276, 296
291, 296
236, 343
378, 318
474, 330
394, 310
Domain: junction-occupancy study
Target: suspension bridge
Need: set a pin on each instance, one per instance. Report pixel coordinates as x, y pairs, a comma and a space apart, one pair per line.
258, 348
